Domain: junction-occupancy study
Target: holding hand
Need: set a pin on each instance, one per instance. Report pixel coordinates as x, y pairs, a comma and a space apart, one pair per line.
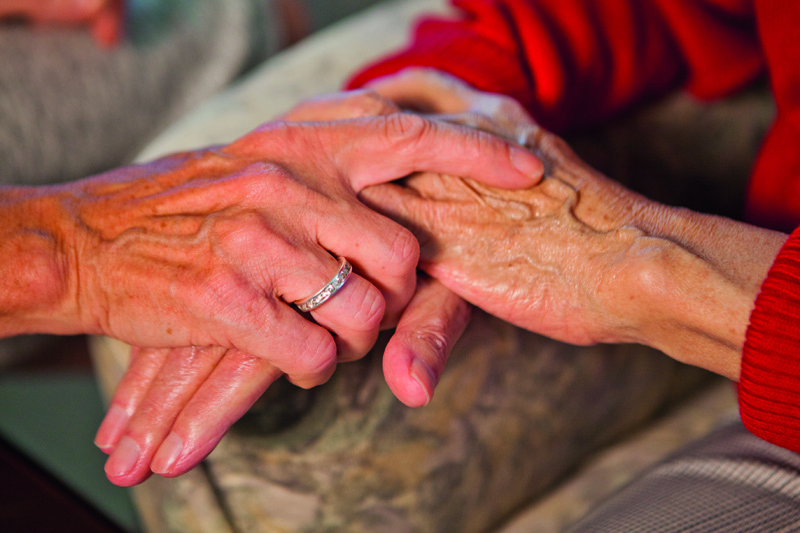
220, 243
578, 258
180, 402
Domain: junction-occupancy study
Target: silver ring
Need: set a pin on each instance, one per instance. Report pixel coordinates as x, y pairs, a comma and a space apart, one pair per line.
330, 288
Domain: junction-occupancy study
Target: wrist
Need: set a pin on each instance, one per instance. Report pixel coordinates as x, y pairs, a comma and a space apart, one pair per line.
34, 273
699, 277
691, 312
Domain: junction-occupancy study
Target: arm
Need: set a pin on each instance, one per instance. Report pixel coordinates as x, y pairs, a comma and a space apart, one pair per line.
32, 274
583, 260
576, 62
704, 281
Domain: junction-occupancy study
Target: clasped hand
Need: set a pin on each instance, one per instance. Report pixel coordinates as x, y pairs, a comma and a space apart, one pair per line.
206, 250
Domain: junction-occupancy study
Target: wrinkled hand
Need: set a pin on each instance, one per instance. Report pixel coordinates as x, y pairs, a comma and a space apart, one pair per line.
443, 97
518, 255
548, 259
239, 232
196, 394
104, 18
578, 257
172, 407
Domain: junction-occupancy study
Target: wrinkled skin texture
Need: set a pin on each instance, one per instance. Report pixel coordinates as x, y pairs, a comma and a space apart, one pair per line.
578, 258
517, 271
542, 259
188, 403
223, 223
103, 18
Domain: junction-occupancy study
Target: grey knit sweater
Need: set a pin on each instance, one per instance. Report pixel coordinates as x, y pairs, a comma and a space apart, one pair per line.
69, 108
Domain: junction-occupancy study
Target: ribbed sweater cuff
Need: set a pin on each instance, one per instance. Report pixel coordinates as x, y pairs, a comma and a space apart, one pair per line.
769, 388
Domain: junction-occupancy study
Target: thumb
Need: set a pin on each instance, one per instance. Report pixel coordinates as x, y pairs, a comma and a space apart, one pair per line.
380, 149
417, 352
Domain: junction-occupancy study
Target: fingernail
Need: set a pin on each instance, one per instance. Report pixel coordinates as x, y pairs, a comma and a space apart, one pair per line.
526, 163
167, 455
111, 428
423, 374
124, 457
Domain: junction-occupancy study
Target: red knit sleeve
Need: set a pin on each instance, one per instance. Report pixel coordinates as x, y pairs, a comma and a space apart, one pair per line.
773, 199
573, 62
769, 388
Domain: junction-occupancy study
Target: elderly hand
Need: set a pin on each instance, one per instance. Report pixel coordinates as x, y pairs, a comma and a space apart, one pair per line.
210, 248
427, 332
104, 18
182, 401
179, 403
580, 258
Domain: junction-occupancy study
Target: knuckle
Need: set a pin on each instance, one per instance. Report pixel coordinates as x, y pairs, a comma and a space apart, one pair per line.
277, 127
404, 251
262, 181
367, 102
262, 139
229, 235
434, 337
318, 355
370, 313
406, 128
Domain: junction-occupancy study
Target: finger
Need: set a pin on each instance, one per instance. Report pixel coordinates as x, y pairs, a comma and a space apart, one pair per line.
182, 373
231, 389
434, 91
142, 369
406, 207
386, 255
373, 150
380, 149
306, 352
353, 313
432, 222
509, 130
252, 311
425, 90
416, 355
343, 105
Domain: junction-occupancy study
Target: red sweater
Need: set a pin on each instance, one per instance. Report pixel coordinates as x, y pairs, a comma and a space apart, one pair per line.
575, 62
